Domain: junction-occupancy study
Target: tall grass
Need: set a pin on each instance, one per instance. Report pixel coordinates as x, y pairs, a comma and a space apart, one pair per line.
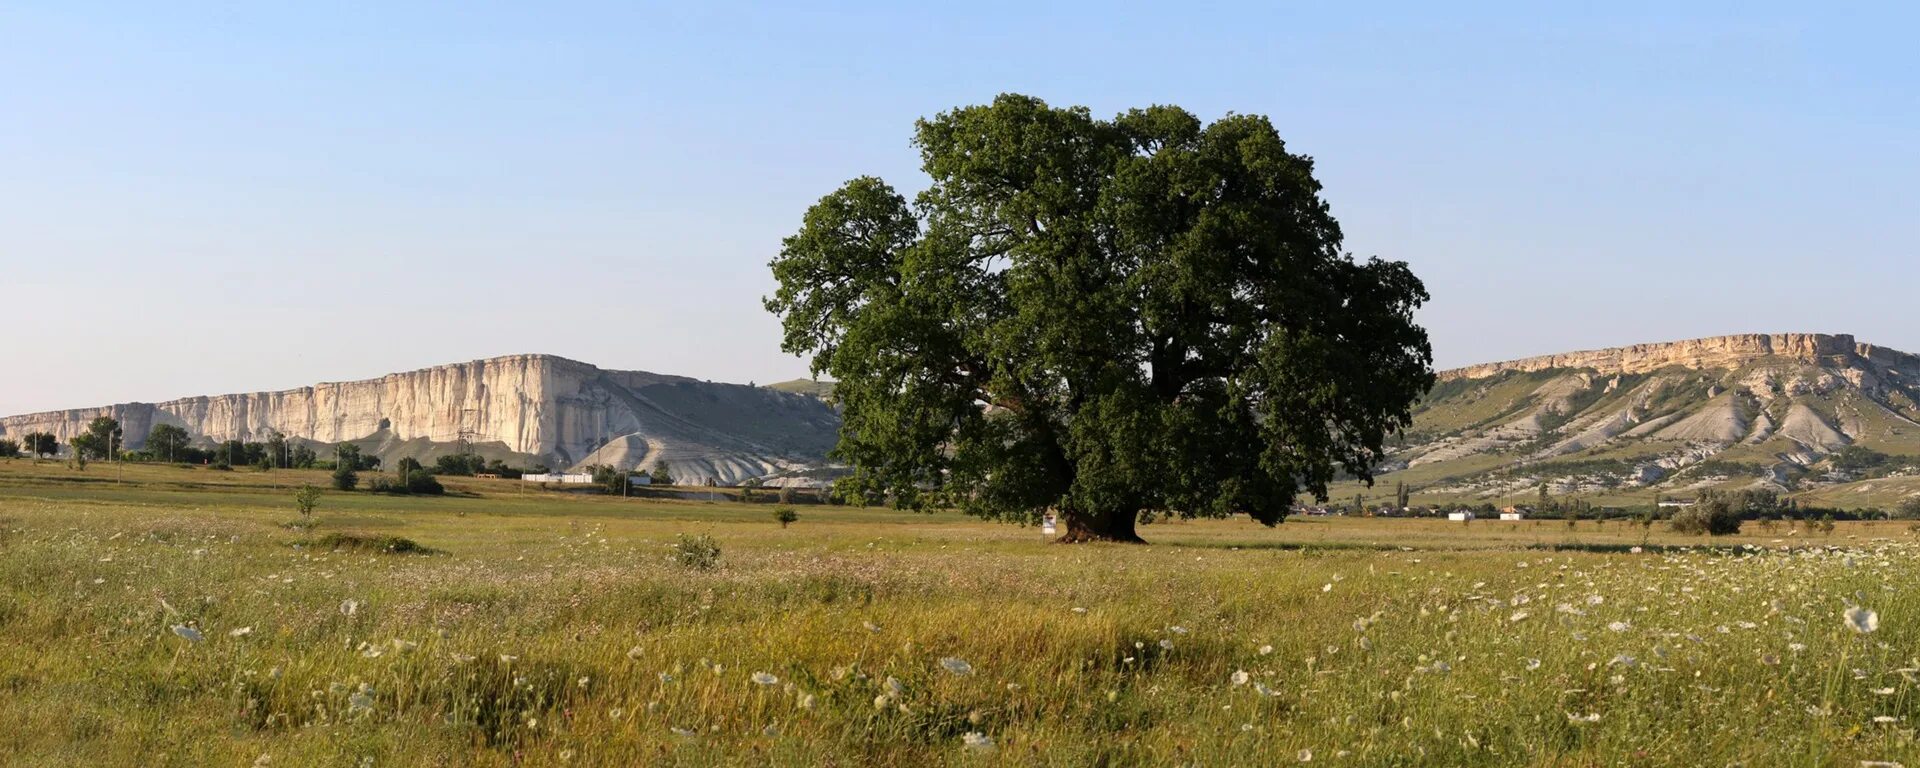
539, 636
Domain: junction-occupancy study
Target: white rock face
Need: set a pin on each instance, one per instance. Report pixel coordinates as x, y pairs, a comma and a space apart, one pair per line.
558, 409
1709, 353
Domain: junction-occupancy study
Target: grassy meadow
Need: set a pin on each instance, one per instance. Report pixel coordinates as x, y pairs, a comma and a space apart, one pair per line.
173, 616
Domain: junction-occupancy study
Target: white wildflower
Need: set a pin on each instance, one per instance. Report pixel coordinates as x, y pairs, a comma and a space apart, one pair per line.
1861, 620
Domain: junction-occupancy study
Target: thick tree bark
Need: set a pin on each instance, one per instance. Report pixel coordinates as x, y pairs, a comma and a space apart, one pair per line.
1114, 525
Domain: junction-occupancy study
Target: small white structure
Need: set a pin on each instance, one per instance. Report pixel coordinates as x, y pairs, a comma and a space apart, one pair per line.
1513, 515
576, 478
1460, 517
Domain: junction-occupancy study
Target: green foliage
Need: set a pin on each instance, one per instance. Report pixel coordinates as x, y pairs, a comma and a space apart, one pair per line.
305, 498
274, 452
9, 449
1907, 509
167, 442
1100, 317
349, 455
422, 482
40, 443
344, 478
660, 475
1855, 458
106, 434
1719, 513
700, 553
611, 479
1720, 468
1679, 394
785, 516
360, 542
100, 441
409, 481
460, 464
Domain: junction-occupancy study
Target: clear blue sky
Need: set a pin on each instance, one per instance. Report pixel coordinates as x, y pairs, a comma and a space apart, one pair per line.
197, 200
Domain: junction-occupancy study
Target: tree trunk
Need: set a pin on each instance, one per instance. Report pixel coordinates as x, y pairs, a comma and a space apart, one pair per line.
1114, 525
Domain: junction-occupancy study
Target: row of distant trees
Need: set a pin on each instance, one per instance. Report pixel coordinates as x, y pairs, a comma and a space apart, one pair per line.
104, 437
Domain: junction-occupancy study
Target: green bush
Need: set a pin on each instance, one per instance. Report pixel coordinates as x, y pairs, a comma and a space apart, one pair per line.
305, 498
700, 553
344, 478
420, 481
1710, 516
785, 516
359, 542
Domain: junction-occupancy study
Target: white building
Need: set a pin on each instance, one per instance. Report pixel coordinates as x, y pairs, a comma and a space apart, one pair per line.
578, 478
1460, 517
1513, 515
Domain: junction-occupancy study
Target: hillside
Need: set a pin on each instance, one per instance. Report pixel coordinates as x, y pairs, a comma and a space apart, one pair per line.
1798, 413
809, 387
528, 407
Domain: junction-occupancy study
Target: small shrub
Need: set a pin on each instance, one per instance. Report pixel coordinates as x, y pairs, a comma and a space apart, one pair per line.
700, 553
785, 516
360, 542
420, 481
344, 478
1706, 518
305, 499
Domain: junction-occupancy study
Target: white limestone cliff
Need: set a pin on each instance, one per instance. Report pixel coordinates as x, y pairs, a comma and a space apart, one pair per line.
558, 409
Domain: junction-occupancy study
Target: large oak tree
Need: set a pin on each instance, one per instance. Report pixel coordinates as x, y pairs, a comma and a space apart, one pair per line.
1107, 318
